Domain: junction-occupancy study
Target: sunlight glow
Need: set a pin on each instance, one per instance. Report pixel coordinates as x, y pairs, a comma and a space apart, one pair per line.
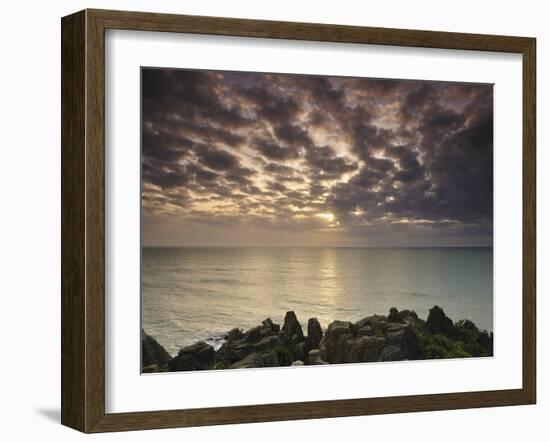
326, 216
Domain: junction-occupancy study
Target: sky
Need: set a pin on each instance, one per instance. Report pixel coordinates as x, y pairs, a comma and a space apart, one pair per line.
262, 159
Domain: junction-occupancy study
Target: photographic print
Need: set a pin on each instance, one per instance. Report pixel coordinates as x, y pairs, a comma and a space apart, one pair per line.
307, 220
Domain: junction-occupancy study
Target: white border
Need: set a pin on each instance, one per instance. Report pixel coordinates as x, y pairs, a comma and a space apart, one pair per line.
127, 390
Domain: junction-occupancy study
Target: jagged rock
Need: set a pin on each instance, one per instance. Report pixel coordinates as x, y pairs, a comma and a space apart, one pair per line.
234, 334
377, 323
300, 351
402, 345
297, 363
363, 349
391, 353
282, 335
367, 330
268, 323
394, 327
486, 341
409, 317
332, 345
314, 358
199, 356
253, 335
253, 360
393, 316
292, 327
266, 344
314, 334
270, 359
439, 323
152, 353
233, 351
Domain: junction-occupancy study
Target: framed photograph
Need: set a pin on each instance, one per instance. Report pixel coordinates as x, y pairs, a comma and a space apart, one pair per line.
268, 220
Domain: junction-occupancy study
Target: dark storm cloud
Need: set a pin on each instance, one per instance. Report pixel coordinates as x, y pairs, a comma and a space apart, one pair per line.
302, 152
274, 151
215, 158
326, 165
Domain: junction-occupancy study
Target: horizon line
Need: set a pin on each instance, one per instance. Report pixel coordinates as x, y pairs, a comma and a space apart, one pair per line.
315, 247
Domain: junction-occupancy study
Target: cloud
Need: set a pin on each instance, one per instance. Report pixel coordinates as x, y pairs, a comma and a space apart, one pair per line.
276, 151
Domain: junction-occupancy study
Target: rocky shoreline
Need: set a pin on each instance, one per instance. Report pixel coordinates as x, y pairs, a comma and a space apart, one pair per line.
399, 336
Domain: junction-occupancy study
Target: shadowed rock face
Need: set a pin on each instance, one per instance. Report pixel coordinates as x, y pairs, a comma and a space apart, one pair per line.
292, 327
314, 334
199, 356
401, 335
439, 323
152, 353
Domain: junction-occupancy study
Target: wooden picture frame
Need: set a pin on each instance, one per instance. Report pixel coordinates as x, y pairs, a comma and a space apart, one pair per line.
83, 220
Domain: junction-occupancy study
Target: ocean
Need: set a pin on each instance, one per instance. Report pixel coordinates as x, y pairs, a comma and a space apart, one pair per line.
193, 293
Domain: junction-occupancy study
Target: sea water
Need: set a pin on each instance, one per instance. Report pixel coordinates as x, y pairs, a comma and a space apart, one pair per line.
193, 293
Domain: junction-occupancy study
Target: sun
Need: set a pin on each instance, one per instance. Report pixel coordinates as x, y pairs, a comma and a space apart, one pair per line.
326, 216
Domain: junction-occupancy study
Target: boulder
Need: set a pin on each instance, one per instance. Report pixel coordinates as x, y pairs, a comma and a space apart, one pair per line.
233, 351
152, 353
199, 356
234, 334
367, 330
409, 317
269, 324
253, 360
283, 337
292, 327
394, 315
314, 334
314, 358
270, 359
266, 344
378, 324
402, 345
253, 335
297, 364
332, 345
439, 323
486, 341
364, 349
300, 351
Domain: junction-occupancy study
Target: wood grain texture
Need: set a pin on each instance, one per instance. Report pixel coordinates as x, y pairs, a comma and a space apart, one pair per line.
83, 220
73, 129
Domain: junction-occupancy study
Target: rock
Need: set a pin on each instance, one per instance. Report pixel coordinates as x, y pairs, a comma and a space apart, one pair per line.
363, 349
314, 358
365, 331
268, 323
439, 323
371, 321
402, 345
393, 316
253, 335
199, 356
394, 327
253, 360
283, 337
270, 359
332, 345
297, 364
409, 317
391, 353
152, 353
293, 328
266, 344
314, 334
300, 351
234, 334
233, 351
486, 341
